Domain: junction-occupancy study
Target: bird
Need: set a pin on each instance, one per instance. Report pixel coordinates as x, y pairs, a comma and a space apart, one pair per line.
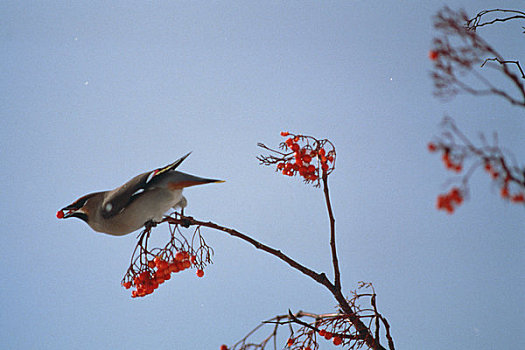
140, 202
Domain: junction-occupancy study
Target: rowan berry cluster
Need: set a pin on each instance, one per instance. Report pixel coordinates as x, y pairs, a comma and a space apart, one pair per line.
517, 197
158, 271
336, 340
150, 268
450, 162
450, 200
493, 163
302, 155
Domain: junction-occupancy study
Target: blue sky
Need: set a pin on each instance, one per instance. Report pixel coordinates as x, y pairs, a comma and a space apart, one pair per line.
93, 94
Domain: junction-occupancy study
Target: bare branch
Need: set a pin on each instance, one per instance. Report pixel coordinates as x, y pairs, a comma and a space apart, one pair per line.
517, 63
307, 329
333, 246
458, 51
477, 21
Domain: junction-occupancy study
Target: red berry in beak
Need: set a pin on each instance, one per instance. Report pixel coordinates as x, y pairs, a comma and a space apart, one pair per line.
60, 214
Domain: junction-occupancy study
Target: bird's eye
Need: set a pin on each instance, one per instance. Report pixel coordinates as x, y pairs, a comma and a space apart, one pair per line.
108, 207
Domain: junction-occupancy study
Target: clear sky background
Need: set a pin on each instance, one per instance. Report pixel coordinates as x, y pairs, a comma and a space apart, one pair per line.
93, 93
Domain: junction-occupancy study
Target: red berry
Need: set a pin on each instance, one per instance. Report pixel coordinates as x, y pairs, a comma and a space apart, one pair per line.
294, 147
200, 273
60, 214
328, 335
163, 265
224, 347
322, 152
518, 198
193, 259
179, 256
322, 332
337, 340
127, 284
433, 55
432, 147
307, 158
303, 170
290, 342
284, 133
174, 267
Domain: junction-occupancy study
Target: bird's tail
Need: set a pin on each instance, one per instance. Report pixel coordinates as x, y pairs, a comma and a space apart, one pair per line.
171, 166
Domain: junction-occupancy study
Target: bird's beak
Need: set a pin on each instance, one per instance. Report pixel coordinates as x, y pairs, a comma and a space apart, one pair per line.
71, 212
76, 209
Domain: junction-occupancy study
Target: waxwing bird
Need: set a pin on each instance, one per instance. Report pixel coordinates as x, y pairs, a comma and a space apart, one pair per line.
143, 199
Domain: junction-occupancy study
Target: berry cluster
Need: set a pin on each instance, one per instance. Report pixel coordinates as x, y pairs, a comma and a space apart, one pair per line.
300, 162
159, 270
450, 164
336, 339
494, 165
450, 200
302, 155
328, 335
505, 191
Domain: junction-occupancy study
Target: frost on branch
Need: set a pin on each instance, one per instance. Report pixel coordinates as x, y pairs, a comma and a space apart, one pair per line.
306, 156
458, 153
309, 331
150, 267
461, 57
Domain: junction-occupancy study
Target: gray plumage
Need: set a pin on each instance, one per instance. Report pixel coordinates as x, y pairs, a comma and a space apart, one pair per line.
144, 198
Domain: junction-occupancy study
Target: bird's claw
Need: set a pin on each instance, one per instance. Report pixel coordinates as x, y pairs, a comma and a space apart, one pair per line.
185, 222
148, 225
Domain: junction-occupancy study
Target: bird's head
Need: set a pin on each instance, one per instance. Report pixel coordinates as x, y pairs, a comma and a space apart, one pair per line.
81, 208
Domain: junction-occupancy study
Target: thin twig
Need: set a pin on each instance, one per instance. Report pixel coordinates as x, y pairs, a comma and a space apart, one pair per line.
517, 63
335, 261
475, 22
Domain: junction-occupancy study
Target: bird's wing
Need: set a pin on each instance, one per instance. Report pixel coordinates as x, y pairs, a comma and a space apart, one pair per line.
118, 199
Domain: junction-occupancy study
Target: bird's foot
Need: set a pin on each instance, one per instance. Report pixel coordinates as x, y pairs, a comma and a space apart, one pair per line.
185, 222
148, 225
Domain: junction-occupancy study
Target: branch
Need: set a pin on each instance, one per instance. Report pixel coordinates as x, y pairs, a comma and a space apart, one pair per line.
305, 327
458, 51
517, 63
475, 22
188, 220
363, 332
457, 150
335, 262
